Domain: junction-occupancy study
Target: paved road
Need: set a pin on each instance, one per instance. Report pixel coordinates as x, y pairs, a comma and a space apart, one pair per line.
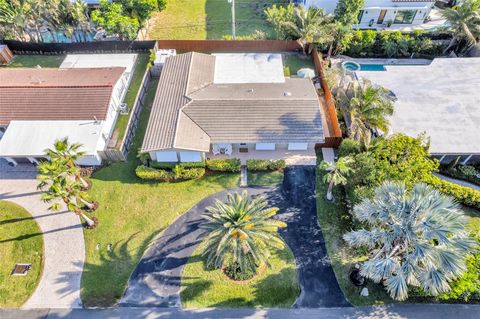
380, 312
157, 278
64, 250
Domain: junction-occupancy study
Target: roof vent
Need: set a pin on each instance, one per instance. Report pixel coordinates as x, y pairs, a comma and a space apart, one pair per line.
250, 90
287, 93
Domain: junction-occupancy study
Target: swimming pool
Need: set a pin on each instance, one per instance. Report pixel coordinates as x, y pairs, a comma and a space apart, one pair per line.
62, 38
354, 66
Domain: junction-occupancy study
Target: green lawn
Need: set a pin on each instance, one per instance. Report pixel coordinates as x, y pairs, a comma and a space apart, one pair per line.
132, 213
20, 242
264, 178
138, 73
295, 62
31, 61
275, 287
209, 19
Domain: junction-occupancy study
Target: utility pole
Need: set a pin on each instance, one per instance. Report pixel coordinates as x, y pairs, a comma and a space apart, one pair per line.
233, 18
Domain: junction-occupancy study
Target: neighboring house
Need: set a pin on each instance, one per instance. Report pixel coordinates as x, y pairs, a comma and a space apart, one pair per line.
380, 14
232, 105
38, 106
441, 99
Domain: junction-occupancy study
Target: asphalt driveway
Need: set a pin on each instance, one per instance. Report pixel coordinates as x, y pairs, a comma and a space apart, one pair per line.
156, 280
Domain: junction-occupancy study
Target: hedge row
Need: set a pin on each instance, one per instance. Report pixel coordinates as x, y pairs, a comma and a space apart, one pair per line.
265, 165
465, 195
176, 174
224, 165
170, 165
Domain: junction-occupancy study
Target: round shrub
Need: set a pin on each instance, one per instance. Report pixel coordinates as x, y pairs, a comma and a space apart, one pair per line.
234, 272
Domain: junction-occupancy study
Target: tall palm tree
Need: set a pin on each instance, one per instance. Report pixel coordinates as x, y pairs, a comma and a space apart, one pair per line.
14, 18
366, 108
415, 238
65, 190
79, 12
241, 232
310, 26
336, 173
464, 20
67, 154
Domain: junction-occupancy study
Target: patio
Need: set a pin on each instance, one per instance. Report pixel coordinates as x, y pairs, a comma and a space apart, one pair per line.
307, 157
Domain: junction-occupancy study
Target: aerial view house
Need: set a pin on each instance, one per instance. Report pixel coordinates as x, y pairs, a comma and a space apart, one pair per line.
379, 14
439, 99
39, 106
232, 105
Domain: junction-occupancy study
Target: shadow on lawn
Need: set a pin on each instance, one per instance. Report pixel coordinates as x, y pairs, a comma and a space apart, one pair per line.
104, 283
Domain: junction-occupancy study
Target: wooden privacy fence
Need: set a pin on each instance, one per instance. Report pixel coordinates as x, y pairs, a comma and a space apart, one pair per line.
331, 127
230, 45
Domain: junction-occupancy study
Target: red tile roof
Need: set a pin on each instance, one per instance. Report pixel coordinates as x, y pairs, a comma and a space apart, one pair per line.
56, 94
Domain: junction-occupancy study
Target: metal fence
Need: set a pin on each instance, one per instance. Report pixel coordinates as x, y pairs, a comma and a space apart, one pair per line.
230, 45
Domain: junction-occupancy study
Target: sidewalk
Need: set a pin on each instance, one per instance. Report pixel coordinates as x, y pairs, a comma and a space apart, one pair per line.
377, 312
64, 248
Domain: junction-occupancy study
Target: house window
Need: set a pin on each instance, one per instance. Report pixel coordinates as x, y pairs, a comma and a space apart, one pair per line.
405, 16
360, 16
265, 146
297, 146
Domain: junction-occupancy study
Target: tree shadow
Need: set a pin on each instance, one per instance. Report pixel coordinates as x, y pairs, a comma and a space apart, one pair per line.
105, 281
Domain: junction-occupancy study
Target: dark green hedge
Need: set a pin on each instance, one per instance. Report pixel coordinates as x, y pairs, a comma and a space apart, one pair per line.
170, 165
224, 165
265, 165
176, 174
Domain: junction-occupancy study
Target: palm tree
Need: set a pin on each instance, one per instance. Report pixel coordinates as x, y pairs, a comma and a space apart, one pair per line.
464, 20
14, 18
365, 109
79, 13
310, 26
415, 238
336, 173
68, 191
67, 154
241, 232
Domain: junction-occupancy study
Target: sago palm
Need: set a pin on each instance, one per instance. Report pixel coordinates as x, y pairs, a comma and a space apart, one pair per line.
336, 173
464, 20
241, 231
366, 108
67, 154
415, 238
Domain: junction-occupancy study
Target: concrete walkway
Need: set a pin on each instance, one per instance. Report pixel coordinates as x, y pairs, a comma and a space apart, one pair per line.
376, 312
64, 253
458, 182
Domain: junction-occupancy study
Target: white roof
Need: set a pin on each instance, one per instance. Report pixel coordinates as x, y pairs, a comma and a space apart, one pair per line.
248, 68
31, 138
441, 99
126, 60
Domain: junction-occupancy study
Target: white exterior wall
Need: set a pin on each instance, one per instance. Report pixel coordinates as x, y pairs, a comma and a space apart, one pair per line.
372, 9
177, 155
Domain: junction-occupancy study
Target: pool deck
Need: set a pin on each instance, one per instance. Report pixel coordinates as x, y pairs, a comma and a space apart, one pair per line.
338, 61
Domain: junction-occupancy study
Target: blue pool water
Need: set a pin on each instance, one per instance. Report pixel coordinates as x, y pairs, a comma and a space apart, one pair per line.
47, 37
372, 67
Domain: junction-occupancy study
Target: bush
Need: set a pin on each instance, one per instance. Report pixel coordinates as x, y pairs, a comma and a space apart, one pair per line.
170, 165
349, 146
465, 195
152, 174
224, 165
234, 272
265, 165
464, 172
178, 173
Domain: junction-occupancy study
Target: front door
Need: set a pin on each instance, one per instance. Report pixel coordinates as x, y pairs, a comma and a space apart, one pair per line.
381, 17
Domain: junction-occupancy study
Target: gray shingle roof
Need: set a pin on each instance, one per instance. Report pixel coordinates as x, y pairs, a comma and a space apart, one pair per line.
190, 112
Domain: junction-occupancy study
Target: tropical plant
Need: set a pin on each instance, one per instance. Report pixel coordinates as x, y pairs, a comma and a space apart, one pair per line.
365, 109
114, 20
336, 173
347, 11
57, 187
66, 154
241, 232
415, 238
305, 25
464, 20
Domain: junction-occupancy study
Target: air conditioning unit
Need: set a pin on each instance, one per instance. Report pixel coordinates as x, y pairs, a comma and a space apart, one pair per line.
123, 108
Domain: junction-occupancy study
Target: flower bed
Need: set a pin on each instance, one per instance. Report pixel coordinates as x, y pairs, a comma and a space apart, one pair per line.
224, 165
